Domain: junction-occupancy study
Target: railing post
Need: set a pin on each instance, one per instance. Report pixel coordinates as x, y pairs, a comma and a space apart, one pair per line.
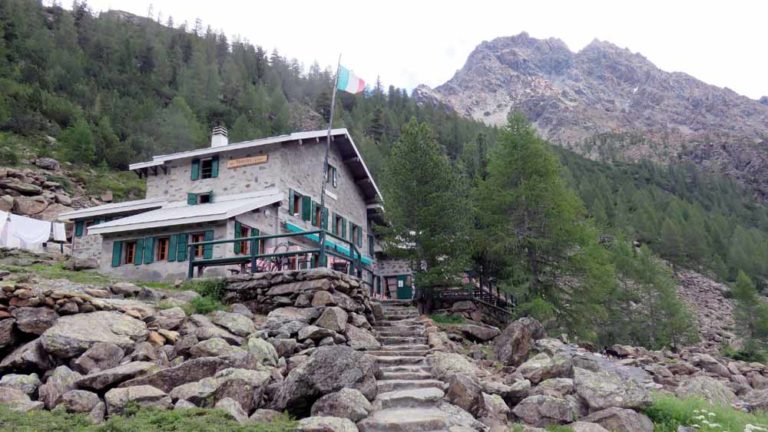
191, 269
254, 251
321, 258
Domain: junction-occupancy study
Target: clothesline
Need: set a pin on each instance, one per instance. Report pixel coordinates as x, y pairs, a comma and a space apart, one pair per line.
18, 231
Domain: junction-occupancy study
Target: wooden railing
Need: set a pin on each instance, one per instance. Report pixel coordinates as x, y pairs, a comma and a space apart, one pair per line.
497, 306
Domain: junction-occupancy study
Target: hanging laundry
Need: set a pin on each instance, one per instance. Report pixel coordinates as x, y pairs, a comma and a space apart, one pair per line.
4, 228
59, 232
28, 233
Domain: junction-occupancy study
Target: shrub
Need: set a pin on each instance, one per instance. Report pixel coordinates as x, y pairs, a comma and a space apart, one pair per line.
203, 305
668, 413
447, 319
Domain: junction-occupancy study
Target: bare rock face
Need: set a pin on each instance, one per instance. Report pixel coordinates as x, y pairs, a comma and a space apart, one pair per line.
516, 341
74, 334
604, 389
607, 91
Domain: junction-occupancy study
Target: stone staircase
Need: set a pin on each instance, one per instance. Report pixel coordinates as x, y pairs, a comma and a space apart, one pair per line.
409, 398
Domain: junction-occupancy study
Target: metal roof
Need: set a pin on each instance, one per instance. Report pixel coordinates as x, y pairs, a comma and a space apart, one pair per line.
114, 208
181, 213
345, 145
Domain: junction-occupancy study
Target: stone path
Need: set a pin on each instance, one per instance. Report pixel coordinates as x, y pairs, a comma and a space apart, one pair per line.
409, 397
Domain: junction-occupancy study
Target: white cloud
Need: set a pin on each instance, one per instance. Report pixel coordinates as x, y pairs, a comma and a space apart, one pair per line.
413, 42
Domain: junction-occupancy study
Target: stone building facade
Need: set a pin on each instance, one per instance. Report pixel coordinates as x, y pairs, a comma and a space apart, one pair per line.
260, 187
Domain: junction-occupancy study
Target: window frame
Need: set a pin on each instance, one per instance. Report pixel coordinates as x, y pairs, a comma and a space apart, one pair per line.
197, 237
129, 251
297, 199
331, 176
162, 248
207, 195
206, 164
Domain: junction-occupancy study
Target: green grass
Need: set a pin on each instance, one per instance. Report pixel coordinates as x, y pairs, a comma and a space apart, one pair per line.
57, 271
669, 412
155, 284
447, 319
203, 305
124, 185
743, 355
136, 420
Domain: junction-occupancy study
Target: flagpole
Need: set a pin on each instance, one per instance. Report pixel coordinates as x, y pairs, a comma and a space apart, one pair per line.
325, 162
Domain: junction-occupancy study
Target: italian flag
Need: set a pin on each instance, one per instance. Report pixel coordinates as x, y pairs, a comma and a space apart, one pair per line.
348, 82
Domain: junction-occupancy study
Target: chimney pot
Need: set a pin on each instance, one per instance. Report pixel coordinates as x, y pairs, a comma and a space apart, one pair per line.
219, 136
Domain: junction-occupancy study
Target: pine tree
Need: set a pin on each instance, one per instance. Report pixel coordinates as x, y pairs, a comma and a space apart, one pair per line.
78, 143
751, 316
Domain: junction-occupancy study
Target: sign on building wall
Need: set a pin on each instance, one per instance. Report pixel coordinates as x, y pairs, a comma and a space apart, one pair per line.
246, 161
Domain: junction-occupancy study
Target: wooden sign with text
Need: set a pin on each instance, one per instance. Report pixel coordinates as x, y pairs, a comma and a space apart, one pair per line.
241, 162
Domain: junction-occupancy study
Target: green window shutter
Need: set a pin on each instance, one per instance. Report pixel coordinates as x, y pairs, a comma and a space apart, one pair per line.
182, 247
359, 236
214, 167
79, 228
314, 213
149, 250
195, 169
325, 218
238, 226
172, 248
343, 233
208, 249
370, 245
306, 208
117, 253
137, 257
255, 233
191, 198
333, 225
291, 209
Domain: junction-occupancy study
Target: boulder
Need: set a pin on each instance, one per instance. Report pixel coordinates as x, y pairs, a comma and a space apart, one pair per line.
199, 393
557, 387
605, 389
233, 408
329, 369
235, 323
170, 319
6, 203
263, 415
63, 199
24, 188
207, 330
100, 356
281, 316
34, 320
477, 333
189, 371
347, 403
13, 397
125, 289
28, 357
74, 334
47, 163
446, 364
541, 367
265, 351
81, 263
464, 392
29, 206
707, 388
104, 379
79, 401
212, 348
333, 318
711, 365
183, 404
242, 385
492, 410
7, 335
26, 383
581, 426
314, 333
361, 339
516, 341
620, 420
142, 395
325, 424
346, 302
542, 410
322, 298
755, 400
60, 381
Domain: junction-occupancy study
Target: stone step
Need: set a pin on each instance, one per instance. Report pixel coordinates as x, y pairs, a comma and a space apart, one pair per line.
398, 353
406, 375
405, 368
404, 420
389, 385
413, 398
398, 323
399, 360
401, 332
414, 347
401, 340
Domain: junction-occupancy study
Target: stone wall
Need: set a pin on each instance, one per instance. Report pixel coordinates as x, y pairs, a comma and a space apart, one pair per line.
393, 267
88, 246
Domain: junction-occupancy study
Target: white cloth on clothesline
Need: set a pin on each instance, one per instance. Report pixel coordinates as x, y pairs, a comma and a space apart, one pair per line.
59, 232
30, 232
4, 228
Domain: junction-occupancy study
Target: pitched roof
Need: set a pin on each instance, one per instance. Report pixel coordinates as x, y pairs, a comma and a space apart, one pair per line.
181, 213
340, 137
114, 208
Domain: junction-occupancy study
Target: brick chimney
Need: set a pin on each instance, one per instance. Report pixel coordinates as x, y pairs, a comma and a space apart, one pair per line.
219, 137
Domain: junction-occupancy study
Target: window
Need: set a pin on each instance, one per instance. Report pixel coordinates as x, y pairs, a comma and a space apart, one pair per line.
296, 204
371, 246
205, 168
339, 226
317, 217
356, 235
130, 252
331, 175
162, 246
199, 249
242, 231
199, 198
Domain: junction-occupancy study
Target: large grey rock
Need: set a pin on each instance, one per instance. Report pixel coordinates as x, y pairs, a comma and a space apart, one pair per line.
329, 369
26, 383
233, 408
464, 392
605, 389
542, 410
446, 364
104, 379
126, 289
557, 387
361, 339
28, 357
100, 356
620, 420
264, 350
170, 319
264, 415
514, 344
48, 163
325, 424
7, 335
238, 324
208, 330
189, 371
143, 396
755, 400
79, 401
541, 367
478, 333
493, 411
61, 380
74, 334
346, 403
333, 318
34, 320
706, 388
199, 393
314, 333
281, 316
242, 385
581, 426
13, 396
213, 347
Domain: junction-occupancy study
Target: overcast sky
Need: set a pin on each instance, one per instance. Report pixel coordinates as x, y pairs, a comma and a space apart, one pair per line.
413, 42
